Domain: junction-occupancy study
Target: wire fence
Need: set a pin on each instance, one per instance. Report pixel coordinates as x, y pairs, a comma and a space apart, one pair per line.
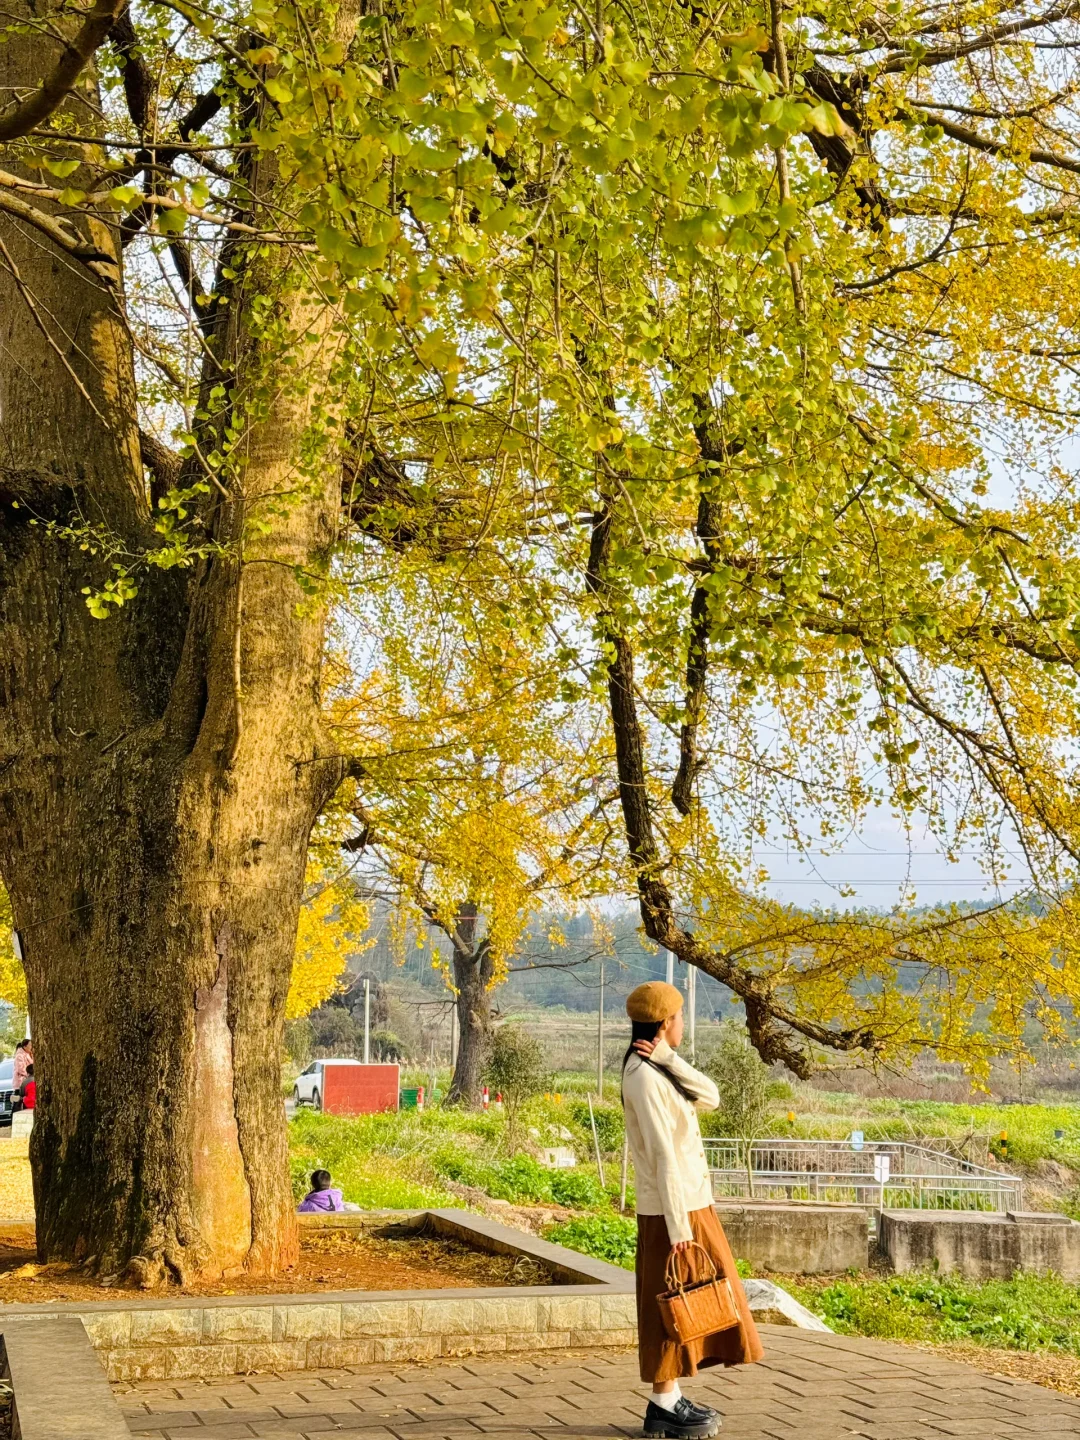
876, 1174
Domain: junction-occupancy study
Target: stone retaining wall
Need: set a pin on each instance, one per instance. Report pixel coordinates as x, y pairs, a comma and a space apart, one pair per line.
592, 1304
59, 1392
980, 1245
188, 1339
184, 1339
796, 1237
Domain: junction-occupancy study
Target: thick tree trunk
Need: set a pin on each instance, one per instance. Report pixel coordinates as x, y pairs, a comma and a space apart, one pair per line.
160, 771
472, 981
159, 921
473, 1002
155, 865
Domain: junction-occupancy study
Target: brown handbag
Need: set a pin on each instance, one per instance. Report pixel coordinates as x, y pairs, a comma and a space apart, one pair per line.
693, 1309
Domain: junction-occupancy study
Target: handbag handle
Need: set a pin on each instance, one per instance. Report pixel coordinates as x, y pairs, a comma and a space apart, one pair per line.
672, 1279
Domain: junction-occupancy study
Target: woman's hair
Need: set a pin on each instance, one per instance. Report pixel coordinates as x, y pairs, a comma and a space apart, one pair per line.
648, 1030
320, 1179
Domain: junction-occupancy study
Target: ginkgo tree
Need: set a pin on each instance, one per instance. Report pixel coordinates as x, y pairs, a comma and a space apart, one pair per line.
477, 796
805, 603
287, 288
12, 975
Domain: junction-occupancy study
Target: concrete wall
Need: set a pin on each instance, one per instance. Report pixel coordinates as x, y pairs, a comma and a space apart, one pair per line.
794, 1238
978, 1245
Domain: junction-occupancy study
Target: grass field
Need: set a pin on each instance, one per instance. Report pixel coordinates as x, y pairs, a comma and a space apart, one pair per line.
974, 1128
409, 1159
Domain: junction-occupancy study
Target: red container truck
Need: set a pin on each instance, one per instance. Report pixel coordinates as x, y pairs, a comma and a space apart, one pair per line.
348, 1087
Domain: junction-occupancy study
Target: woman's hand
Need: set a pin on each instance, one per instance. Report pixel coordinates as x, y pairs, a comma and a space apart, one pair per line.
645, 1047
681, 1245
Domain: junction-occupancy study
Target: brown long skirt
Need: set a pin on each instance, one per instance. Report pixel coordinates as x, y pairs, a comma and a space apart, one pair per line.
661, 1358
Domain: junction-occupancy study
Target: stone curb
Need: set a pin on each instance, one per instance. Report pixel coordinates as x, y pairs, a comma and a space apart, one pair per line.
60, 1390
202, 1337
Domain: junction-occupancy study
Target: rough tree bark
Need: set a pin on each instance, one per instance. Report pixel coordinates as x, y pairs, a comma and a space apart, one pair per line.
160, 771
472, 979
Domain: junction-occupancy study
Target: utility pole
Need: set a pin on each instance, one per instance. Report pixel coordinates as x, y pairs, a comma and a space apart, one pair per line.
691, 1005
670, 968
600, 1040
367, 1021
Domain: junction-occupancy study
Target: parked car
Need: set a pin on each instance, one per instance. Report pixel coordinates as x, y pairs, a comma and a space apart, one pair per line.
9, 1096
309, 1088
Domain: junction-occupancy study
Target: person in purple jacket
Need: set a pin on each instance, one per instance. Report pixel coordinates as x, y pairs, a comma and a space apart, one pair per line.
320, 1197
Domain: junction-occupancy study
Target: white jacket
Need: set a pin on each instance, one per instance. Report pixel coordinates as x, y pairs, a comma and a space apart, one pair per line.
671, 1177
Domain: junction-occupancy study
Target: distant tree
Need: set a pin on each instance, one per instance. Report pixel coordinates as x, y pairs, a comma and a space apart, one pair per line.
299, 1039
515, 1069
336, 1032
387, 1047
12, 975
351, 995
745, 1102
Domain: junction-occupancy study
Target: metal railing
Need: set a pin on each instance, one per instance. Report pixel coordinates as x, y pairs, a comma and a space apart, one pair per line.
877, 1174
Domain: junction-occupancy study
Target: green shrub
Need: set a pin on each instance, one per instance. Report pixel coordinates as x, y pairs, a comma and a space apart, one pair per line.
1028, 1312
516, 1070
609, 1123
451, 1162
579, 1189
521, 1178
608, 1237
613, 1193
300, 1168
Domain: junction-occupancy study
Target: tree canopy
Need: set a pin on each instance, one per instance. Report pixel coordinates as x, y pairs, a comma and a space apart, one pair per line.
709, 374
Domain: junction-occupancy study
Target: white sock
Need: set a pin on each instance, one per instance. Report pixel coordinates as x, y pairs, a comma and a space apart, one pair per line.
669, 1399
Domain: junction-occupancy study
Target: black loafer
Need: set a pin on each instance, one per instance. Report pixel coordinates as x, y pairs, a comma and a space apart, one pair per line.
705, 1411
684, 1422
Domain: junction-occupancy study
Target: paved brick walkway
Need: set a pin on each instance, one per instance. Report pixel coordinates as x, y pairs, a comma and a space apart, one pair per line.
809, 1387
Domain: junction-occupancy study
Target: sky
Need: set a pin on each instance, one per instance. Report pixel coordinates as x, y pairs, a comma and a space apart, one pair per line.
881, 867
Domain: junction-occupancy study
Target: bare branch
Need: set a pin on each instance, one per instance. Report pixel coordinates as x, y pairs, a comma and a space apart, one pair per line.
30, 113
986, 41
180, 251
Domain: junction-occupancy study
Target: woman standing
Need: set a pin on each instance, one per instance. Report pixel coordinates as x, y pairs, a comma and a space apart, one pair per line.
24, 1058
661, 1094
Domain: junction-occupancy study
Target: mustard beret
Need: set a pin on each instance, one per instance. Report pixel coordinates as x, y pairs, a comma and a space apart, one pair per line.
655, 1002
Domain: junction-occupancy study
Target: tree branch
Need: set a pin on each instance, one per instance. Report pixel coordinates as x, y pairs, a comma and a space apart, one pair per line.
138, 82
55, 89
945, 53
165, 464
180, 251
974, 141
98, 262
